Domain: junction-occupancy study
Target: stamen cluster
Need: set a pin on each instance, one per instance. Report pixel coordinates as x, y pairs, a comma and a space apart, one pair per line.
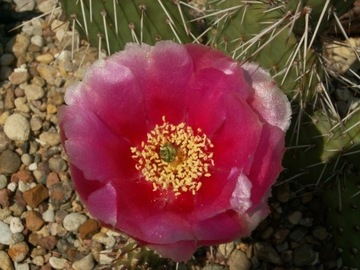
174, 157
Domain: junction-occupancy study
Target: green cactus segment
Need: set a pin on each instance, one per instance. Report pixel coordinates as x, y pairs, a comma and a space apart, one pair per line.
112, 23
317, 15
260, 32
322, 147
343, 199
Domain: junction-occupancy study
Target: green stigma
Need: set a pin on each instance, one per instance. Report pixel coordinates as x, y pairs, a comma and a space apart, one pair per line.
168, 152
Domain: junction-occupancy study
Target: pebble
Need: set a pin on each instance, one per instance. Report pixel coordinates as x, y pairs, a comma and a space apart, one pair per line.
48, 215
88, 229
20, 45
5, 261
238, 261
22, 266
305, 256
37, 40
24, 5
58, 263
33, 91
107, 240
38, 260
21, 105
16, 225
7, 59
17, 127
6, 236
34, 220
48, 242
19, 77
49, 138
73, 221
47, 72
36, 123
9, 162
5, 73
60, 193
86, 263
4, 141
295, 217
26, 159
47, 6
33, 166
3, 181
46, 58
5, 197
18, 251
267, 253
57, 164
36, 195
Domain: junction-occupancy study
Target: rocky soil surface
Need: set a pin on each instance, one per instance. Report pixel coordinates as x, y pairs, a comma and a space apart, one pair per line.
43, 225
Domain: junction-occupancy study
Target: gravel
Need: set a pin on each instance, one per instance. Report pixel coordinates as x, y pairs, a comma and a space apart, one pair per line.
43, 225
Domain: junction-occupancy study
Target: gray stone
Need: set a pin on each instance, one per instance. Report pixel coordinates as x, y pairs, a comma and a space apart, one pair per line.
5, 73
17, 127
57, 164
7, 59
9, 162
295, 217
73, 221
267, 253
305, 256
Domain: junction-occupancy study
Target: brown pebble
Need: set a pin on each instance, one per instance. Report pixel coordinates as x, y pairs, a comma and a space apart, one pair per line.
59, 194
34, 220
52, 179
19, 77
34, 239
23, 175
48, 242
4, 197
88, 229
18, 251
36, 195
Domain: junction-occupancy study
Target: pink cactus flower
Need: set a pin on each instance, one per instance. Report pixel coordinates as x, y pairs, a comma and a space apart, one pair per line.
175, 145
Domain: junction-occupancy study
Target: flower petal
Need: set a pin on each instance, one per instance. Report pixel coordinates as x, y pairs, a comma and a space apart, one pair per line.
269, 102
207, 58
90, 143
111, 91
238, 138
179, 252
163, 72
267, 162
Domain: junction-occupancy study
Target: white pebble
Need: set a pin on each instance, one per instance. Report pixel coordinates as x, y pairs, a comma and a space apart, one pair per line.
6, 236
24, 186
37, 40
73, 221
48, 215
17, 127
16, 225
33, 166
86, 263
57, 263
12, 186
21, 266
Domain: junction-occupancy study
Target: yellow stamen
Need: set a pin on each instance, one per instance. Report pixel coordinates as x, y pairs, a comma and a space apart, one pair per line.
174, 157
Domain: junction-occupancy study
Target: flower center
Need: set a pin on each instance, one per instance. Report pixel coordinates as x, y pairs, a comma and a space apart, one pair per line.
174, 157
